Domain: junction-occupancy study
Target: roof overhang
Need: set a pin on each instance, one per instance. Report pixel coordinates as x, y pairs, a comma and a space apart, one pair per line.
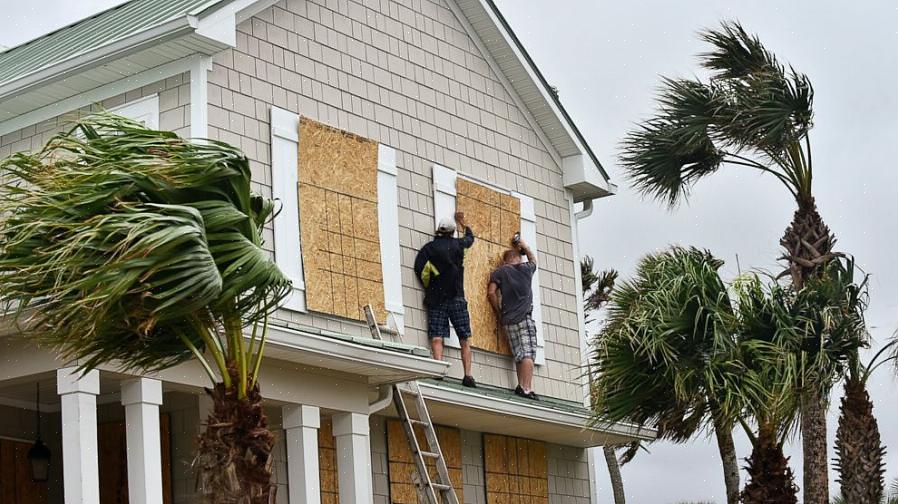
533, 420
584, 175
205, 33
380, 366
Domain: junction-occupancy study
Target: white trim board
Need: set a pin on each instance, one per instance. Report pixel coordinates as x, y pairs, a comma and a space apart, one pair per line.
99, 94
143, 110
284, 188
388, 224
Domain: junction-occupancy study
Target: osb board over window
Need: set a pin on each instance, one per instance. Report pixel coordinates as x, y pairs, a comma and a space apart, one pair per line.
327, 463
494, 217
339, 221
402, 466
516, 470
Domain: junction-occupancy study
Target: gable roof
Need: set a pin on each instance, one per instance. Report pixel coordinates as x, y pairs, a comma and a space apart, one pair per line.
139, 35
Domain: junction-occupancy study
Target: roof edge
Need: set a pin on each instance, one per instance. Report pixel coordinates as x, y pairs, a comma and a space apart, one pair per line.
546, 86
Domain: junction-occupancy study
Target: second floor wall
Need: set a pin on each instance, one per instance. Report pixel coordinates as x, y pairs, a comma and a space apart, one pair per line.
409, 76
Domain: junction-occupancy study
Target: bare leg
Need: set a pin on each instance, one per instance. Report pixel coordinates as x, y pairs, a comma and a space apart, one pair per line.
525, 374
436, 347
466, 356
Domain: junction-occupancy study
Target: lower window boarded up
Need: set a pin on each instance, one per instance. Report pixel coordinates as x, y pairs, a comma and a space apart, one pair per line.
327, 463
402, 466
516, 470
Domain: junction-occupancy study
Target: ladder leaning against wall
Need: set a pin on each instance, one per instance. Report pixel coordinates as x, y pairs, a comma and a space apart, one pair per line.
440, 491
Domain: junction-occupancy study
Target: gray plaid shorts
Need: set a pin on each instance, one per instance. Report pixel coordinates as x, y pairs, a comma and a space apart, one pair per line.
522, 338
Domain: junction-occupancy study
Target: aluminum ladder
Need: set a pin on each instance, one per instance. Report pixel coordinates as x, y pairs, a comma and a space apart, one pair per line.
429, 491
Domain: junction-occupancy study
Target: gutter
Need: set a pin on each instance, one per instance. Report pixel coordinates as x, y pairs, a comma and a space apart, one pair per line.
142, 40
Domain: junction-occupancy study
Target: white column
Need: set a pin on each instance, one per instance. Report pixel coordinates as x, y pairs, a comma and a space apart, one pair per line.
141, 398
301, 424
80, 477
351, 433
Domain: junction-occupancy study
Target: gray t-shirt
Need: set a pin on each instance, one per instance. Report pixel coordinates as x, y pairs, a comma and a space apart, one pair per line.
515, 282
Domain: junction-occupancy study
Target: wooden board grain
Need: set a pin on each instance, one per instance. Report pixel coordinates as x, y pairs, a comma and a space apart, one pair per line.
516, 470
402, 467
494, 217
339, 221
327, 463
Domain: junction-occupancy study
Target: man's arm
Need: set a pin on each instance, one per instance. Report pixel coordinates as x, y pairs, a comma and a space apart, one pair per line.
492, 294
531, 257
460, 221
421, 260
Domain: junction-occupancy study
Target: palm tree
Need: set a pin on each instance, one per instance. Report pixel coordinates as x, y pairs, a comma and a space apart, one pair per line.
754, 113
664, 358
124, 246
596, 289
765, 394
859, 449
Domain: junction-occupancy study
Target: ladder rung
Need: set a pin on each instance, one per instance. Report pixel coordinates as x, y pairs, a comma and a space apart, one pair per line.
441, 487
415, 421
413, 393
428, 454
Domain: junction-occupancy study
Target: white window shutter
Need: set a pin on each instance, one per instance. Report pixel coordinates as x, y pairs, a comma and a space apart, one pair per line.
528, 233
444, 206
284, 182
388, 219
144, 110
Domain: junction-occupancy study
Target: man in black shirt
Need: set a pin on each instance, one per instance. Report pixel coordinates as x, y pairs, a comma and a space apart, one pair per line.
440, 268
511, 295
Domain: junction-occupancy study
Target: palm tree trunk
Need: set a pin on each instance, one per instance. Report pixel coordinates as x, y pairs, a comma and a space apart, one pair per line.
815, 475
234, 454
770, 479
617, 482
808, 245
859, 449
727, 449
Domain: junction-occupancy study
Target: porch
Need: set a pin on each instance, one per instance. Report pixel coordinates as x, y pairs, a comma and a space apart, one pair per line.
120, 438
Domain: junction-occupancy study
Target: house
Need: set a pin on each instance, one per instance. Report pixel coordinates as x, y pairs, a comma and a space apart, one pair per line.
424, 106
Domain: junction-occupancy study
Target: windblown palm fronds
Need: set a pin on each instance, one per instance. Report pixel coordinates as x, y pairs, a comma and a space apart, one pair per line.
134, 248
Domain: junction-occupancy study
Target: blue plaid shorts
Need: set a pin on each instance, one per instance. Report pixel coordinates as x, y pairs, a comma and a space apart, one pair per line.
455, 310
522, 339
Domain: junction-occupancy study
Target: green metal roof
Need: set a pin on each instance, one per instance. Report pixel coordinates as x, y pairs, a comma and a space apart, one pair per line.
509, 395
102, 29
404, 348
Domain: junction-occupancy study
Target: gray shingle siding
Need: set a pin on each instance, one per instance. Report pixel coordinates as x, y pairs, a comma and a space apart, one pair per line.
404, 73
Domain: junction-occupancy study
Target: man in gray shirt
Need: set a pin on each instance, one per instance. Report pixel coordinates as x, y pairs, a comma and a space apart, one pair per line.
511, 295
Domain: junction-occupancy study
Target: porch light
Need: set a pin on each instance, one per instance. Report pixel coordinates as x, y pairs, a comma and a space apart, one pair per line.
39, 454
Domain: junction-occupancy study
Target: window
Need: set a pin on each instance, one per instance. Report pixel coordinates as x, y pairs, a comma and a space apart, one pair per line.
144, 110
504, 213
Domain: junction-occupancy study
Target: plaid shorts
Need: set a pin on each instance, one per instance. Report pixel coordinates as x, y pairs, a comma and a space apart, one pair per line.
522, 338
455, 310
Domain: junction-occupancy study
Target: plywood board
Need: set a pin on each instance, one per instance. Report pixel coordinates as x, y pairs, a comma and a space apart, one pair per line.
327, 463
494, 217
402, 466
516, 470
339, 221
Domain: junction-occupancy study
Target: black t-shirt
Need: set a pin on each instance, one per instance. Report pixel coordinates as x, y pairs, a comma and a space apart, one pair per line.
440, 267
515, 282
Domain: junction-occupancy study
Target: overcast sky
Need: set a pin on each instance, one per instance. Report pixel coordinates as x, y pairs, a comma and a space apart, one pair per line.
605, 58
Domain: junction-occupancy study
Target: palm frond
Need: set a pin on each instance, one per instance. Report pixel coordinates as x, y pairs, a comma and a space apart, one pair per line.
129, 245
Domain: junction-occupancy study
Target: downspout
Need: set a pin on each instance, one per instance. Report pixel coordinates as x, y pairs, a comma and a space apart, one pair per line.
591, 465
585, 212
384, 399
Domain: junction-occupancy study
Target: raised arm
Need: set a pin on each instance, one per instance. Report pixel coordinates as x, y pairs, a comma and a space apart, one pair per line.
460, 221
531, 257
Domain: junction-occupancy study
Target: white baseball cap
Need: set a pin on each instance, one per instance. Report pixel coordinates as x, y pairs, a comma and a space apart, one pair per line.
446, 226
